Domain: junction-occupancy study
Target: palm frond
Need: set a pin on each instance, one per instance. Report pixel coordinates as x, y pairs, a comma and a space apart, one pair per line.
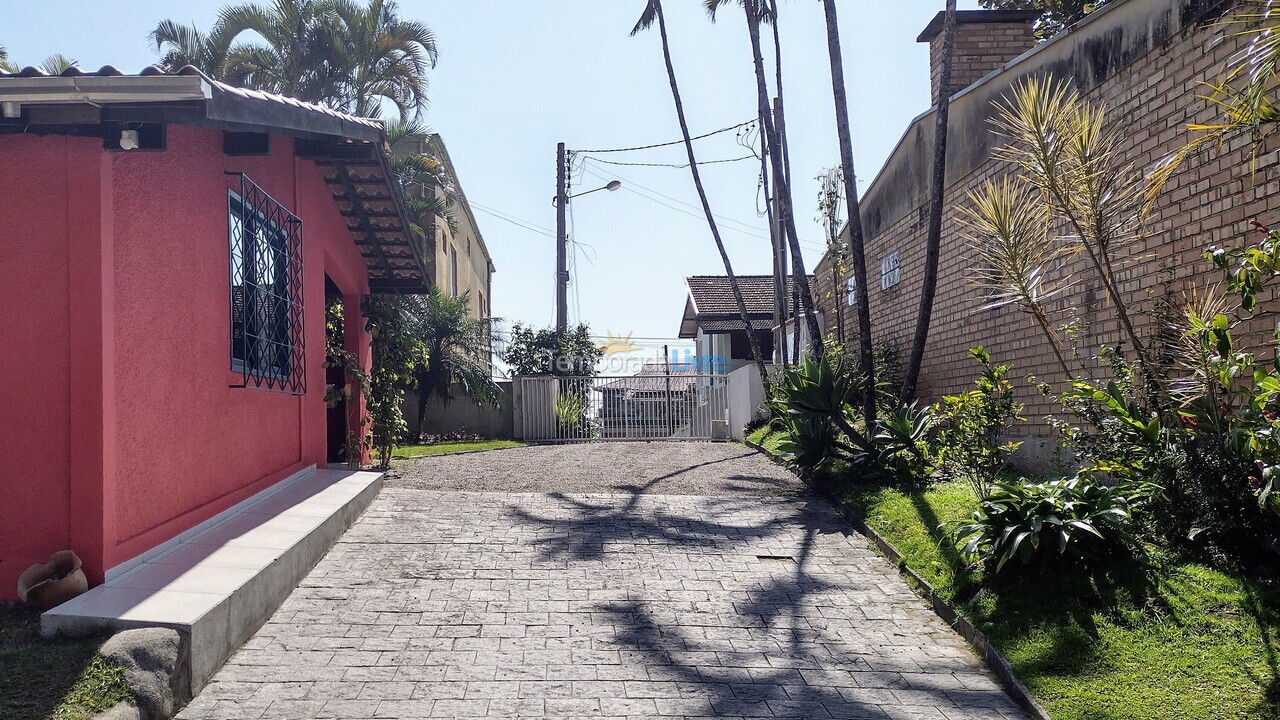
57, 63
652, 9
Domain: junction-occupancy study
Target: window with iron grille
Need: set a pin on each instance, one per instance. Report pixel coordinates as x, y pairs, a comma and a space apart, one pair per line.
851, 290
265, 248
890, 271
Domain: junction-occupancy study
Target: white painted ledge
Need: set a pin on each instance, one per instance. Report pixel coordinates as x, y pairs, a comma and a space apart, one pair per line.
221, 580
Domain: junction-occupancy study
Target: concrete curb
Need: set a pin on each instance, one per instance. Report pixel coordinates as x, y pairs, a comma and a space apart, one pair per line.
994, 660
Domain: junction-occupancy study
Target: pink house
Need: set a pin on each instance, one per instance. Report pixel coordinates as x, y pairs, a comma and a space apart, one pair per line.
169, 246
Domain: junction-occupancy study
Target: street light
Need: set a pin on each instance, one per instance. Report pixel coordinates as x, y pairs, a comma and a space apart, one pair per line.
611, 186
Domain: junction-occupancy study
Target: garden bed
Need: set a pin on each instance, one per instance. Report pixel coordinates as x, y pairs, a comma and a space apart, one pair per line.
1172, 639
62, 680
451, 447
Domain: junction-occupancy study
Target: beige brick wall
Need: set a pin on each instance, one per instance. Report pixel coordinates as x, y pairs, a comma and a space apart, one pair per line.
1152, 93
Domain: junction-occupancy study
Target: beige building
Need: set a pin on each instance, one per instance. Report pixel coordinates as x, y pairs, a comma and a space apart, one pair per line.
460, 261
461, 264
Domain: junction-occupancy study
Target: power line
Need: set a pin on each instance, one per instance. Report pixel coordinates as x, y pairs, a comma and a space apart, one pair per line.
628, 181
673, 142
701, 216
679, 166
512, 219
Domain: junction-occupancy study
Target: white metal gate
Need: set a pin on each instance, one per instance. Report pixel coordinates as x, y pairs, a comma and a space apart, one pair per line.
635, 407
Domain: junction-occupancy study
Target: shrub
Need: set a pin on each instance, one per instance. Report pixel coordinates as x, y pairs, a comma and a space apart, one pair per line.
1067, 519
966, 441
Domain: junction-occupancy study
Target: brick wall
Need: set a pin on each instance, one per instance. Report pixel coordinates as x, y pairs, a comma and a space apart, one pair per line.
1142, 59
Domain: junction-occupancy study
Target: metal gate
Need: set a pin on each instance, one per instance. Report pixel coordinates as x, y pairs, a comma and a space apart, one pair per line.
634, 407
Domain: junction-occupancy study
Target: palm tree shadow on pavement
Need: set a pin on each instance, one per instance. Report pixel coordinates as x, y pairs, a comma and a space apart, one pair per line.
783, 636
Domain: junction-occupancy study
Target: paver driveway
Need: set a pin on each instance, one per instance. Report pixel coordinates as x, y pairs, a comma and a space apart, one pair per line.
605, 590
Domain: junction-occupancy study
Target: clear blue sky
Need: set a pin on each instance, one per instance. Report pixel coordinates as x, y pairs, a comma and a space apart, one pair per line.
516, 76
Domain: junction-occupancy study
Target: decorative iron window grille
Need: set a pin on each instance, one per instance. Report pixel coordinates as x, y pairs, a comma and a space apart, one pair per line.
267, 328
890, 271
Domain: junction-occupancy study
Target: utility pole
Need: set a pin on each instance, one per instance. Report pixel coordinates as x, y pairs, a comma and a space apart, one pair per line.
783, 260
562, 270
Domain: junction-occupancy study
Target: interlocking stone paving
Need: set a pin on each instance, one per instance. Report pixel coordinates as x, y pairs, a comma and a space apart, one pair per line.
626, 604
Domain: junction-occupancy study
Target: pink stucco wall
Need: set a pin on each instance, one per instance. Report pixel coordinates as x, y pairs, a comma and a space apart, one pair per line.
178, 443
34, 351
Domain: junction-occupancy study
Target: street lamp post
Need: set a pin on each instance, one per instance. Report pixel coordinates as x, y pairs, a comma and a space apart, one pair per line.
561, 202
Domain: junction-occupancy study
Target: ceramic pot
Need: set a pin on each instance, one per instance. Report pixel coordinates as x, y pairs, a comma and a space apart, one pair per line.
53, 583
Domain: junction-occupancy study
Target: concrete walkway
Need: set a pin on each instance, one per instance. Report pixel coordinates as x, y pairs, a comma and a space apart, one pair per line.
610, 592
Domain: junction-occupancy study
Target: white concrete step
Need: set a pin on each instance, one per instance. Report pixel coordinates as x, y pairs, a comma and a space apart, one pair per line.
220, 581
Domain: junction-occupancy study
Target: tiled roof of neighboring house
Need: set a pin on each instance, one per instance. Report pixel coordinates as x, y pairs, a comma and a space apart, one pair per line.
759, 321
653, 378
712, 307
350, 150
713, 295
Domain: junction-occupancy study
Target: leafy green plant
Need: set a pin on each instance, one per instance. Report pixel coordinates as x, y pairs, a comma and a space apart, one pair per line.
967, 435
546, 352
457, 348
571, 412
1067, 519
397, 349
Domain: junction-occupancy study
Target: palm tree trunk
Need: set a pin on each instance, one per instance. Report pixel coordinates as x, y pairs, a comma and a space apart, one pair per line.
933, 243
424, 399
856, 244
782, 188
754, 341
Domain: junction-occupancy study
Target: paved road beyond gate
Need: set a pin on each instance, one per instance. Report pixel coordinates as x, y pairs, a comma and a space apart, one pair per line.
636, 407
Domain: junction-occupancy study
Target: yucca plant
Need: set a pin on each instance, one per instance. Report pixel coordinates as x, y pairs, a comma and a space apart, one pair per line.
1065, 148
807, 441
1244, 95
1006, 223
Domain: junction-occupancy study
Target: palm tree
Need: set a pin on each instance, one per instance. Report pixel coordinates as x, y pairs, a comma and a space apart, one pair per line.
652, 12
383, 57
54, 64
933, 242
454, 344
296, 57
181, 45
335, 52
856, 243
421, 176
757, 11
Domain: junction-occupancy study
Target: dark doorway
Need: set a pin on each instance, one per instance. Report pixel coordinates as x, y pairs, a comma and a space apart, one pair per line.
335, 379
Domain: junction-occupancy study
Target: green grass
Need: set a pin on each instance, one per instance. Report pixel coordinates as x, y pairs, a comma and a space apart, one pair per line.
62, 680
405, 452
1158, 638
